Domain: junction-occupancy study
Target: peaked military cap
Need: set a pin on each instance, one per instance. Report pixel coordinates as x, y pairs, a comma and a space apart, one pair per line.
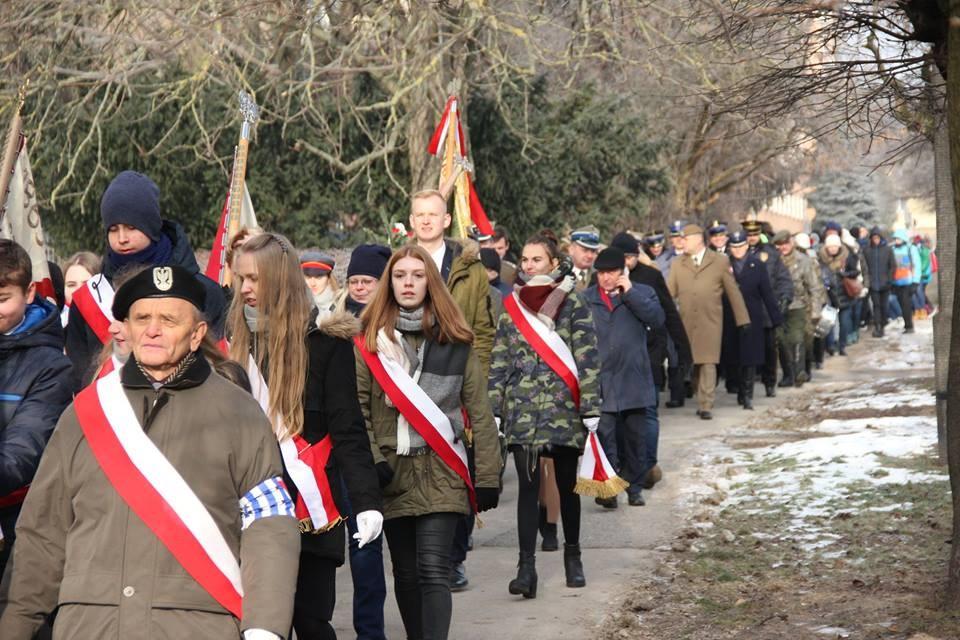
162, 281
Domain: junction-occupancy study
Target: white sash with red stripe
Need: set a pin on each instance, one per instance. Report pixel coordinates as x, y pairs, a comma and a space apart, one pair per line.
305, 463
420, 411
156, 492
547, 343
94, 301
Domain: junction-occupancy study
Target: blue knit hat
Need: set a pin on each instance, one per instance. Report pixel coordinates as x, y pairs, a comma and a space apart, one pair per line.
133, 199
368, 260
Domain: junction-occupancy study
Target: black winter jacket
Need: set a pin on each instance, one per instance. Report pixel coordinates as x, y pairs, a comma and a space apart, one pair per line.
672, 326
331, 408
34, 390
83, 346
880, 265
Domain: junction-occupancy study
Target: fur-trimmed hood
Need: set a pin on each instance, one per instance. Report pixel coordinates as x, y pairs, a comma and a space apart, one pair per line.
466, 249
339, 324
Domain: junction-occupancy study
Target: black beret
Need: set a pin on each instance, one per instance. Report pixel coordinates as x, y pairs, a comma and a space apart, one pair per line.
626, 243
162, 281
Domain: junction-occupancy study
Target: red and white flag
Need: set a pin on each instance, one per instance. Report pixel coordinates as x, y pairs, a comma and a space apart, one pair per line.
21, 220
218, 254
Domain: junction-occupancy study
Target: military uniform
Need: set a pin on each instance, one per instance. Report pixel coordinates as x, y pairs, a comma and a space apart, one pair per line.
783, 290
804, 310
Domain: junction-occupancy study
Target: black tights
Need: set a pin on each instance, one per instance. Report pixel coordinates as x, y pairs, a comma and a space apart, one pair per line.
528, 510
420, 551
315, 598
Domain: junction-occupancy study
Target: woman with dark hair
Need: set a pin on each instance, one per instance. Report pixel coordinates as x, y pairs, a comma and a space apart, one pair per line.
416, 375
303, 376
545, 401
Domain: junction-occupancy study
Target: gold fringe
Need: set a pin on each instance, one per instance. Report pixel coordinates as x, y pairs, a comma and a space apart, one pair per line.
306, 526
596, 489
478, 521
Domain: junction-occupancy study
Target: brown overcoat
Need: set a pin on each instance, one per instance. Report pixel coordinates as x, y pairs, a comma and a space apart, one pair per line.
699, 293
82, 551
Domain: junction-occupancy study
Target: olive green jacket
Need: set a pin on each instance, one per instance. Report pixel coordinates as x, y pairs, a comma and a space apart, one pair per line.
425, 484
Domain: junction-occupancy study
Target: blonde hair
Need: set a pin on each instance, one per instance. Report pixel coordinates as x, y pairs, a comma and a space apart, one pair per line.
439, 305
280, 349
86, 259
423, 194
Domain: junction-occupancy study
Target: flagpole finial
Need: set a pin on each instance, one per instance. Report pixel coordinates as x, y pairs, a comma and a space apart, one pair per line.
22, 94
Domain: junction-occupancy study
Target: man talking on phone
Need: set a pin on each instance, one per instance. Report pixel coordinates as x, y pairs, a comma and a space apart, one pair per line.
622, 311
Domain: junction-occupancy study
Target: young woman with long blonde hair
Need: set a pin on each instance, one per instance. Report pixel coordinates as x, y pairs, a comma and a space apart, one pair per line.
415, 353
309, 373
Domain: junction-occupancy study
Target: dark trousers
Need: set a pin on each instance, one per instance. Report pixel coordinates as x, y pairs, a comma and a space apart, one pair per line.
879, 301
769, 375
528, 508
905, 298
625, 437
369, 585
315, 598
461, 539
420, 552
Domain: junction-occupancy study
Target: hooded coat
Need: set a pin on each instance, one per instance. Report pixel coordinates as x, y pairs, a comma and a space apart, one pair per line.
35, 384
843, 265
880, 263
908, 269
82, 345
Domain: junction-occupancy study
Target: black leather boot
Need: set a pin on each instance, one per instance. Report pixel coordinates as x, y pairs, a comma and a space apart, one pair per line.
786, 363
548, 531
525, 584
573, 566
747, 378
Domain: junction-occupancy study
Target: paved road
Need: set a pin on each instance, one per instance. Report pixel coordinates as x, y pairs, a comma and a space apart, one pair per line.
617, 545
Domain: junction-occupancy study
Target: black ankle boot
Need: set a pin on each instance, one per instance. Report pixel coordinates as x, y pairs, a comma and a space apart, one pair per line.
525, 584
573, 566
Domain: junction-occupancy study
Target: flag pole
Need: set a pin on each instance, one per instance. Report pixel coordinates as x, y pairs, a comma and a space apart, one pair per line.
11, 149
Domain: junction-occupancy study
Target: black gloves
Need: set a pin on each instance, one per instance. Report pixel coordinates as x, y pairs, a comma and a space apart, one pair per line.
384, 473
487, 498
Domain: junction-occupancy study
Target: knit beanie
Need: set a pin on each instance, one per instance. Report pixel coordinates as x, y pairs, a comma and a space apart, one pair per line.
490, 259
832, 241
368, 260
626, 243
133, 199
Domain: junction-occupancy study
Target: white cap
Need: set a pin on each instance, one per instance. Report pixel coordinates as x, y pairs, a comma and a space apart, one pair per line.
802, 240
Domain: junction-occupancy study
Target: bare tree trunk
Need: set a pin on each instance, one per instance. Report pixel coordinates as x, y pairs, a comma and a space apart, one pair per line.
953, 387
946, 254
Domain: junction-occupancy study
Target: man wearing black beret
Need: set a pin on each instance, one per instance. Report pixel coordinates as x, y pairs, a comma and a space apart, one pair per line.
155, 459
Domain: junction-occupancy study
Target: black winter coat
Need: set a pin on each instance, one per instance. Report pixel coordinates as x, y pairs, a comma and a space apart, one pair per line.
331, 408
83, 346
672, 326
880, 265
761, 302
35, 388
779, 277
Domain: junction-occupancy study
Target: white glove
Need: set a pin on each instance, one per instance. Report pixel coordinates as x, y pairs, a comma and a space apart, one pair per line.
369, 526
497, 420
591, 424
260, 634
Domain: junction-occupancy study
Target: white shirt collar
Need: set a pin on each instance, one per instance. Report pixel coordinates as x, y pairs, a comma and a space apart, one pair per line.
438, 255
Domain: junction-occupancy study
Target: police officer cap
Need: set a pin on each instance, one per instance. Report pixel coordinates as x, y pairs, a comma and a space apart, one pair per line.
676, 227
781, 237
716, 227
752, 226
737, 239
162, 281
655, 237
587, 237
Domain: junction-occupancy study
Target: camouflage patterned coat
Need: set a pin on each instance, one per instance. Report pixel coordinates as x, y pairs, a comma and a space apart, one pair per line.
534, 404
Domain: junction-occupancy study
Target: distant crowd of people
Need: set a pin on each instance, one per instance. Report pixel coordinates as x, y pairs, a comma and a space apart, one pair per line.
183, 459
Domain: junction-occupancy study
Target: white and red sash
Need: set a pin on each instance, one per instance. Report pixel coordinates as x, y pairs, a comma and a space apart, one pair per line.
420, 411
111, 365
548, 344
94, 301
156, 492
305, 463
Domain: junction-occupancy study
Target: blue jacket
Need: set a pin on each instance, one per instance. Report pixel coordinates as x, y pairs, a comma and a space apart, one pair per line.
35, 388
906, 259
626, 381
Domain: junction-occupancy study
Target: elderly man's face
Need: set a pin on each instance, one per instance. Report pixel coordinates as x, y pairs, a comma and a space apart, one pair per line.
582, 257
692, 244
162, 332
